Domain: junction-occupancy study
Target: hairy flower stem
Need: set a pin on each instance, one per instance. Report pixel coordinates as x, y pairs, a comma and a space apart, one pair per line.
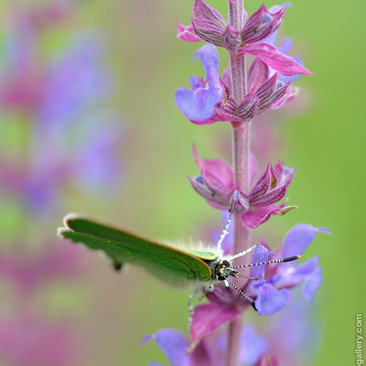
241, 155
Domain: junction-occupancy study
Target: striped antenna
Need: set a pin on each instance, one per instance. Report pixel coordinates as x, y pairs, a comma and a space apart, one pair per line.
225, 231
242, 294
244, 252
283, 260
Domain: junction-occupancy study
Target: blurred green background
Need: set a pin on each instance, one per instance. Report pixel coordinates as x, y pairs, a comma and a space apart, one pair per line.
323, 137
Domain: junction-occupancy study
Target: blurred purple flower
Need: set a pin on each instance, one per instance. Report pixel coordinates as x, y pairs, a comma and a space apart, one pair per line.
31, 341
30, 271
82, 67
216, 184
58, 113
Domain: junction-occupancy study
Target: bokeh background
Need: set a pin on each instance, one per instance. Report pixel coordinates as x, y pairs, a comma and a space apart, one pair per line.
119, 149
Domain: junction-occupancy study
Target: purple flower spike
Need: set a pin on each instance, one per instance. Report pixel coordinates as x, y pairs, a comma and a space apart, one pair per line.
198, 104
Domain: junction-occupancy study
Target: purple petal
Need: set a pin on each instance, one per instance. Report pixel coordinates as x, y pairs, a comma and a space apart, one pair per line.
209, 58
248, 108
203, 11
273, 196
252, 346
218, 175
276, 8
260, 255
238, 201
208, 317
263, 184
312, 283
298, 238
285, 46
231, 37
307, 268
209, 32
199, 104
295, 274
261, 24
216, 200
173, 344
270, 300
258, 74
270, 56
308, 272
187, 34
259, 215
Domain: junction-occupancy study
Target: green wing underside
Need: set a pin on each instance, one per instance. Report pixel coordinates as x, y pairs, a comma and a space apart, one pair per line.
169, 264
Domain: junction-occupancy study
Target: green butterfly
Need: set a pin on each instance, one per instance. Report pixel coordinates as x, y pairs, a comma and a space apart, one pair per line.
197, 265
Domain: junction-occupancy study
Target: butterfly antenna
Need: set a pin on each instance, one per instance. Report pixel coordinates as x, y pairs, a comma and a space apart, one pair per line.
244, 252
251, 301
282, 260
225, 231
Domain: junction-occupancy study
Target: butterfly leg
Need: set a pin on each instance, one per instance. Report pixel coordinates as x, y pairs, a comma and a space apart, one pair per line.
190, 308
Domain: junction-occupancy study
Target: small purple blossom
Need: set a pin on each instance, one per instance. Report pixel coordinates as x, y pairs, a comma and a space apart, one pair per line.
30, 271
212, 101
272, 289
198, 104
216, 184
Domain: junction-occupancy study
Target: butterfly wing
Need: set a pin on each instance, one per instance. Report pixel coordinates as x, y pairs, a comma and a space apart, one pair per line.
167, 263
